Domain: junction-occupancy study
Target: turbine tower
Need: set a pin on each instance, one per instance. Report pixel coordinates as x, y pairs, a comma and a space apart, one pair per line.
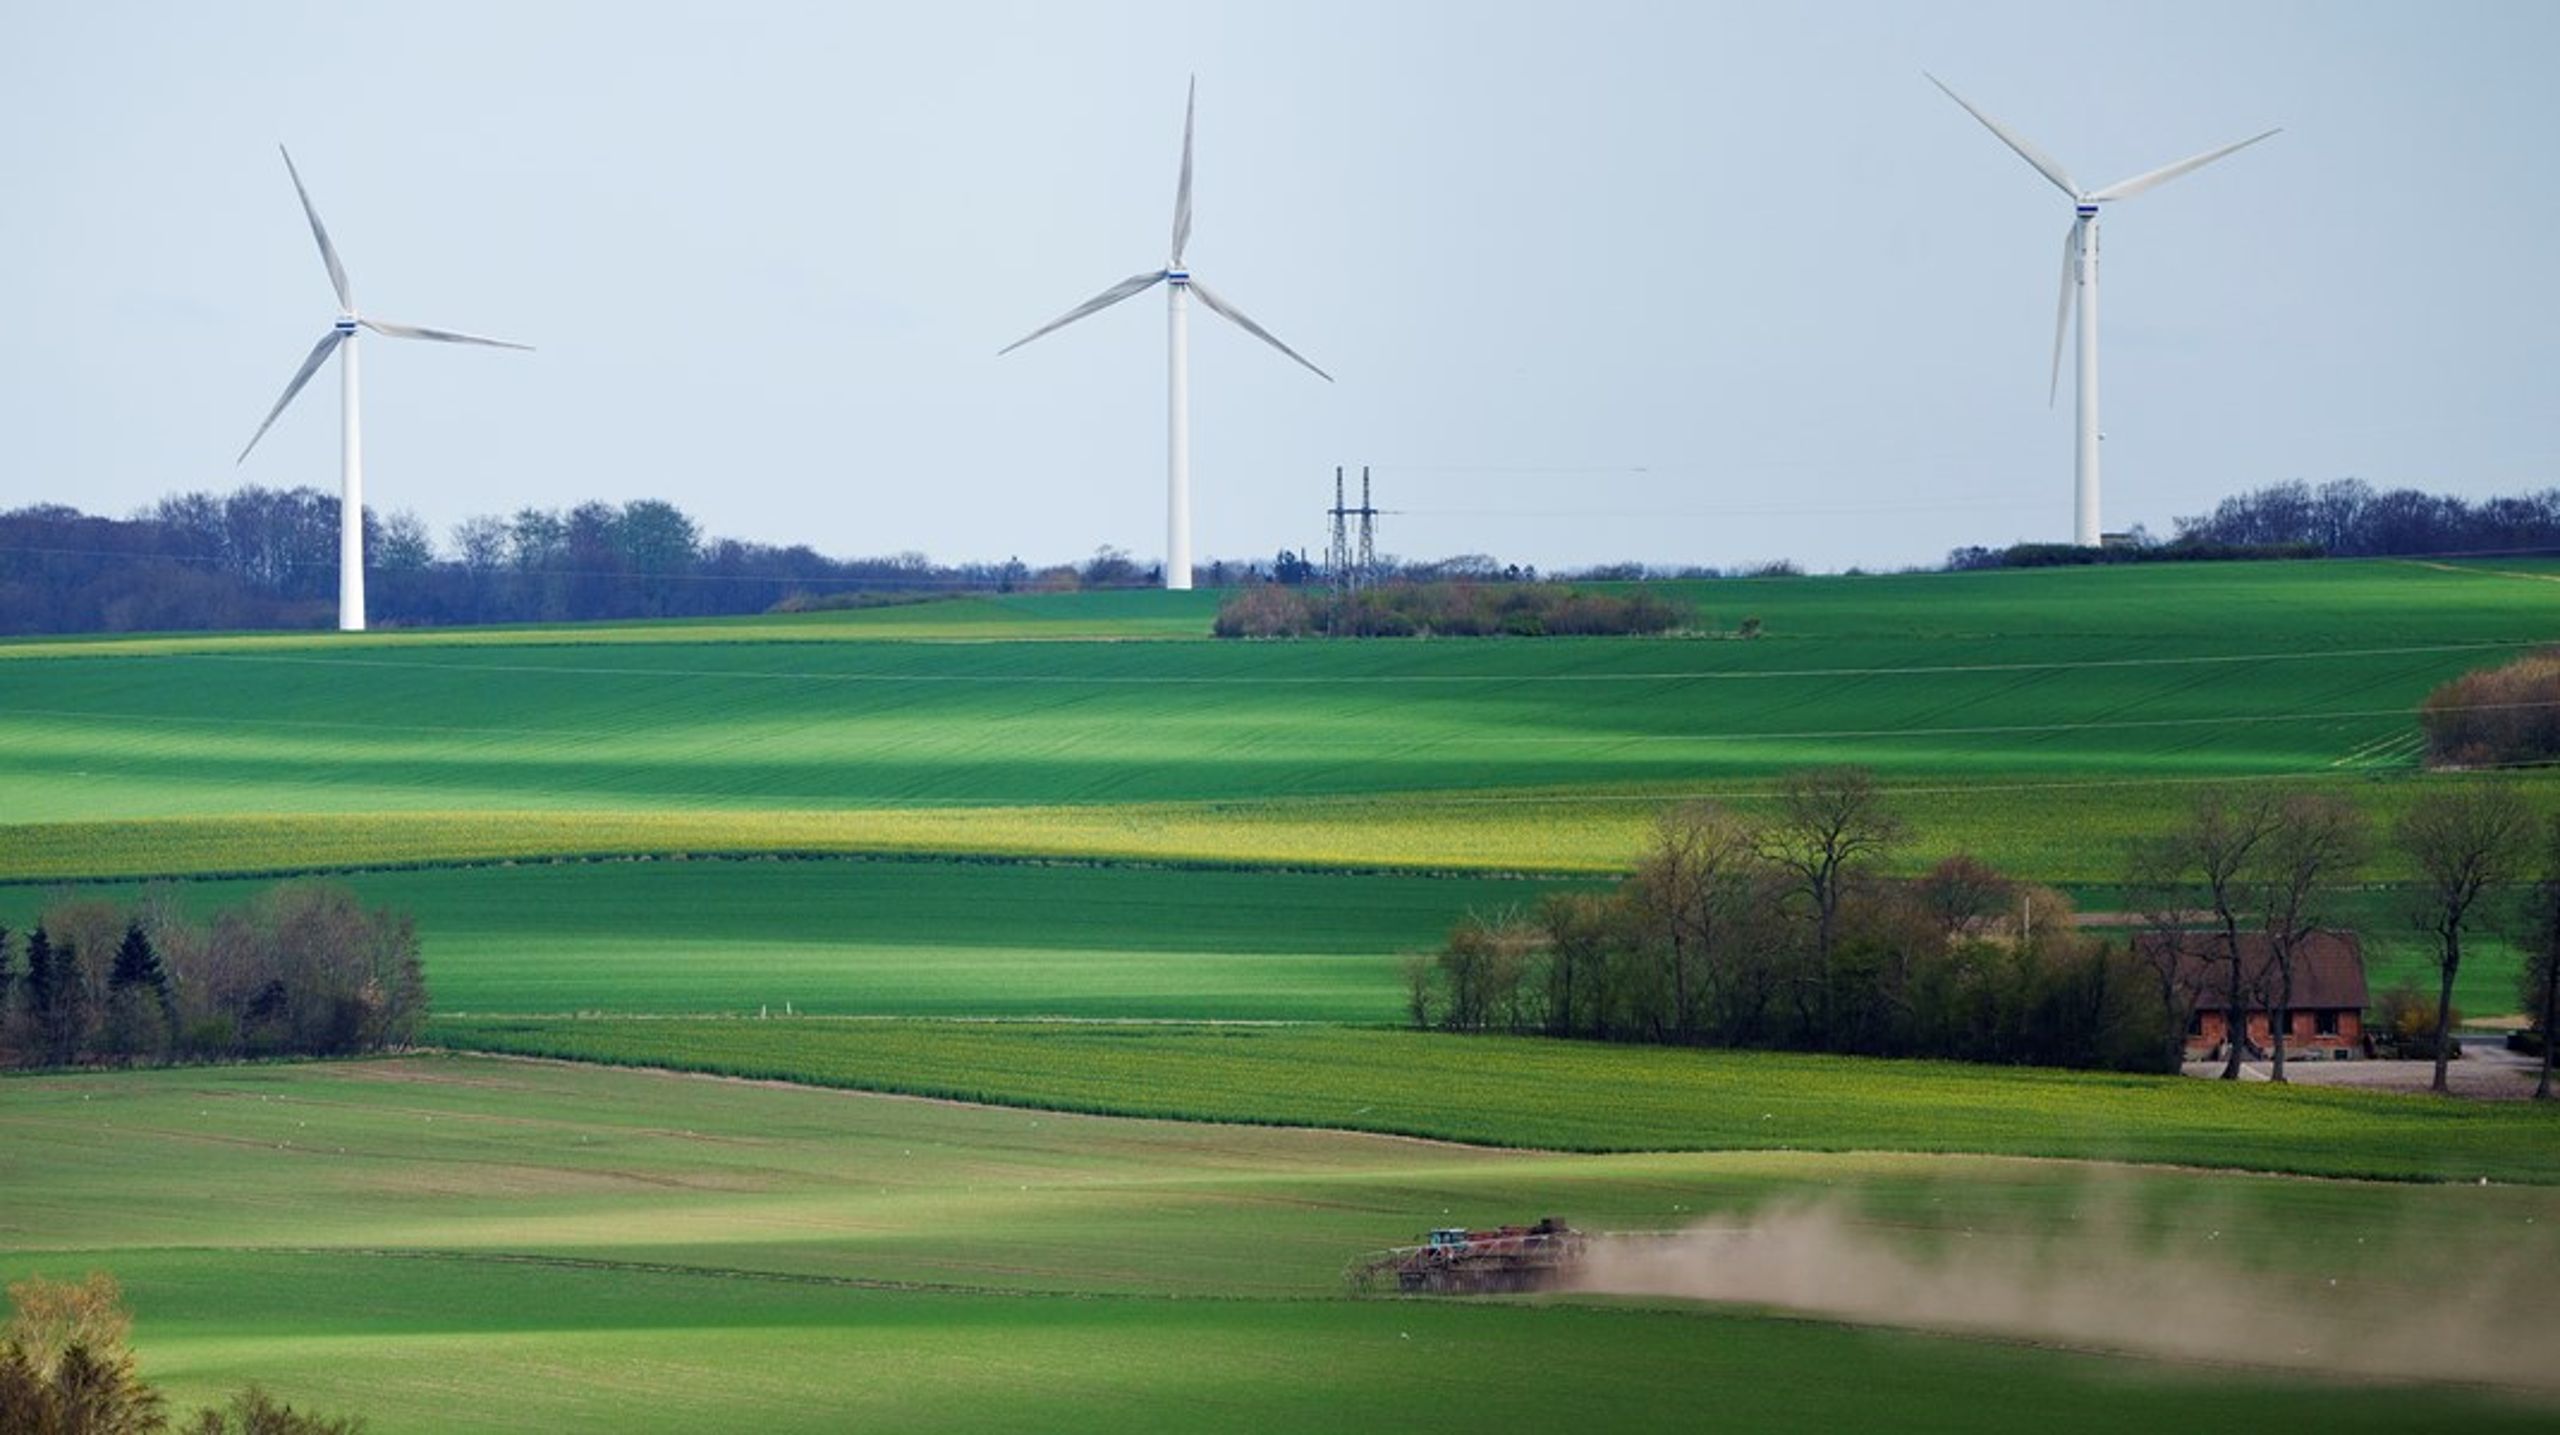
2080, 281
341, 340
1179, 289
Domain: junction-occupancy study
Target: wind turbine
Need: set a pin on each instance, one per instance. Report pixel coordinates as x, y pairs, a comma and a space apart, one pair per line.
1179, 288
2080, 278
341, 340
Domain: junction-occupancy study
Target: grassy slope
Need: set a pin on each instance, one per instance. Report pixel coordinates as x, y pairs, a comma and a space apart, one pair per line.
224, 755
1582, 1096
2036, 716
908, 938
939, 938
371, 1236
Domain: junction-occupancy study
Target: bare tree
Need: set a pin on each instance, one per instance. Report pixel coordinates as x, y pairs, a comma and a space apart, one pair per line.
1964, 895
2166, 941
2214, 853
1690, 892
2542, 962
2464, 840
1484, 967
1583, 931
2317, 840
1832, 823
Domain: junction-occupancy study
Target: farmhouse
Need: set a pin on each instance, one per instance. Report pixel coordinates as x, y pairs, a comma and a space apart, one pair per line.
2328, 993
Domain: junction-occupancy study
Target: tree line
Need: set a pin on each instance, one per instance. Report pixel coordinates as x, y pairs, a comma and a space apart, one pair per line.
2345, 518
302, 969
2349, 518
268, 558
1780, 929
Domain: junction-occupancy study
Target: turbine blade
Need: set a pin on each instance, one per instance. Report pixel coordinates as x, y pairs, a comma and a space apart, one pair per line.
2044, 163
2062, 310
1236, 316
1135, 283
1182, 190
319, 355
442, 336
319, 231
2128, 188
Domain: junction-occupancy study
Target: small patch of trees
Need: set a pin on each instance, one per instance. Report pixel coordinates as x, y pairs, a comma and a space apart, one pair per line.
1456, 609
1776, 930
67, 1368
2496, 717
302, 969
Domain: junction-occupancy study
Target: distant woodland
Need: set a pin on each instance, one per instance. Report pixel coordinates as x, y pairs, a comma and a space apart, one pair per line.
268, 558
2348, 518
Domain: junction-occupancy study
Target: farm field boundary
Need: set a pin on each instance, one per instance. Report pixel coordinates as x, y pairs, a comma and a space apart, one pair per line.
1533, 1092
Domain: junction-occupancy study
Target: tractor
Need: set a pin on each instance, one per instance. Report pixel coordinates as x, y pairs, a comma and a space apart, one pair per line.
1458, 1261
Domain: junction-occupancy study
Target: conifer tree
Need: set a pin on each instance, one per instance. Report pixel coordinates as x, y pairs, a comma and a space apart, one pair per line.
57, 1004
139, 1014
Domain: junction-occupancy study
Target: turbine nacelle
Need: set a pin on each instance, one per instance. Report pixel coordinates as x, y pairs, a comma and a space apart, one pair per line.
346, 326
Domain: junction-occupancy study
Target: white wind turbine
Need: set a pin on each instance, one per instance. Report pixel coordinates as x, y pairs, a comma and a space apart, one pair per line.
1180, 286
2080, 278
341, 340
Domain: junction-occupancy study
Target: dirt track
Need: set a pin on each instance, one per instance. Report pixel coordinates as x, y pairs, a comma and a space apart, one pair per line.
2487, 1071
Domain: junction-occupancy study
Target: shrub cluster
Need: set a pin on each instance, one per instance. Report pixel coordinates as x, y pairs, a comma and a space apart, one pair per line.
1457, 609
2496, 717
67, 1368
303, 969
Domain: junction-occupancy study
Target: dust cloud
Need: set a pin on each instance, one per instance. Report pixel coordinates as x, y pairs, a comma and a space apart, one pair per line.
2477, 1315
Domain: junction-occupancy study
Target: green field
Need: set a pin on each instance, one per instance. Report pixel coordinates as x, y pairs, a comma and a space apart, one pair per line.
1077, 807
1588, 1096
465, 1243
2037, 717
844, 937
907, 938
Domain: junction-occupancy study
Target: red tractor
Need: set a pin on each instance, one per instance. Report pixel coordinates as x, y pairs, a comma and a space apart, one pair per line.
1454, 1261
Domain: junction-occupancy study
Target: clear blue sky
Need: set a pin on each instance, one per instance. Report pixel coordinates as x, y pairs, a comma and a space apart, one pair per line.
1661, 281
